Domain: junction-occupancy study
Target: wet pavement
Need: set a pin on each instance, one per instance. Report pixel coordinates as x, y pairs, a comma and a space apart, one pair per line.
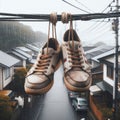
54, 105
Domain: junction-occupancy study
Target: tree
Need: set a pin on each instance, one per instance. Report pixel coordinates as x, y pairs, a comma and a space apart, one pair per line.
14, 34
5, 108
19, 79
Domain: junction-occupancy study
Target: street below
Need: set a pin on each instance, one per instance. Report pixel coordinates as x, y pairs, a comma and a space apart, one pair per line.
54, 105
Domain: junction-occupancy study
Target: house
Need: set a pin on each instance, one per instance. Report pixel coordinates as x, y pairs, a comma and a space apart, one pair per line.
109, 73
102, 91
92, 55
26, 50
22, 59
107, 61
7, 64
23, 53
8, 93
97, 51
86, 48
34, 49
97, 66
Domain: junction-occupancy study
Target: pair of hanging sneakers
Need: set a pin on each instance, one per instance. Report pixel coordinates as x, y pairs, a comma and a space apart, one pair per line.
77, 70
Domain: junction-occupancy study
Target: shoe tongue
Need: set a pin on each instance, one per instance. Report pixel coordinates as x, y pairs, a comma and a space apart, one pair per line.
50, 51
76, 44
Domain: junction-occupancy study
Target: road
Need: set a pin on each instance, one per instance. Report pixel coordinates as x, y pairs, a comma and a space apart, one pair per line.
54, 105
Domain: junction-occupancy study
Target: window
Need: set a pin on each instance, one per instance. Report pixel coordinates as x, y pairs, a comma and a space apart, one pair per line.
7, 73
110, 72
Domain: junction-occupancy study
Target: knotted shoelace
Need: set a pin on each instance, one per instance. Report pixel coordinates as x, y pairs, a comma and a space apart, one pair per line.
75, 57
42, 63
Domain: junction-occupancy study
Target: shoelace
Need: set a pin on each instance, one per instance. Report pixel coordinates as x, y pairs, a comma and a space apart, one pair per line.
43, 63
44, 60
75, 57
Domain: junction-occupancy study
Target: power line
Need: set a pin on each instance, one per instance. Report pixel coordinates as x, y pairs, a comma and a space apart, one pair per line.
108, 5
99, 28
83, 5
99, 35
75, 6
46, 17
94, 26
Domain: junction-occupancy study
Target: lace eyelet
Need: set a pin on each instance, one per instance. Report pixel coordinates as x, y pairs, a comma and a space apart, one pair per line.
40, 57
66, 44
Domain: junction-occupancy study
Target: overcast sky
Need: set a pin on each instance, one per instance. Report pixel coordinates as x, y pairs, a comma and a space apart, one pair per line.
89, 32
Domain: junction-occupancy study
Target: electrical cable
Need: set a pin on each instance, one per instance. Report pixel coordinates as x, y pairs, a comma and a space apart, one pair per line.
108, 5
83, 5
75, 6
46, 17
99, 35
99, 29
94, 26
102, 27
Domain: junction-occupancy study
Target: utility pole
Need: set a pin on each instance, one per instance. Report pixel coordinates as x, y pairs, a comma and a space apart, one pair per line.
115, 87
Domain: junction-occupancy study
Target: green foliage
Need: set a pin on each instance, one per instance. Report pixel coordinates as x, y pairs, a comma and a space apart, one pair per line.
14, 34
107, 112
5, 108
19, 79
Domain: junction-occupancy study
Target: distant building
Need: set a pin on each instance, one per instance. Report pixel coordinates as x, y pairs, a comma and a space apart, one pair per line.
26, 50
22, 59
97, 51
102, 89
33, 48
7, 64
108, 62
24, 54
86, 48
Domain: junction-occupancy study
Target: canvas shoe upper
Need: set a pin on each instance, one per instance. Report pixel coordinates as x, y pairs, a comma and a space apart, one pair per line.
39, 78
77, 73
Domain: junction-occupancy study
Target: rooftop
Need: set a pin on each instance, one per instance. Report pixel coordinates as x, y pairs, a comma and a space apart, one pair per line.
32, 47
22, 53
97, 51
7, 60
24, 49
14, 53
110, 52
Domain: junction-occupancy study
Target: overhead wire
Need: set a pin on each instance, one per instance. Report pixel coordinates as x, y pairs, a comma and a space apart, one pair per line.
75, 6
94, 26
102, 27
108, 5
84, 5
100, 35
97, 37
99, 29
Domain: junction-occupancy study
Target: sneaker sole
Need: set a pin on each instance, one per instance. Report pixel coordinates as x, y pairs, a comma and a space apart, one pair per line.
45, 89
39, 91
76, 89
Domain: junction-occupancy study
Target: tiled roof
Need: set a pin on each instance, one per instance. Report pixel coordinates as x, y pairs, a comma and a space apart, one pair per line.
14, 53
96, 58
24, 49
97, 51
7, 60
22, 53
32, 47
